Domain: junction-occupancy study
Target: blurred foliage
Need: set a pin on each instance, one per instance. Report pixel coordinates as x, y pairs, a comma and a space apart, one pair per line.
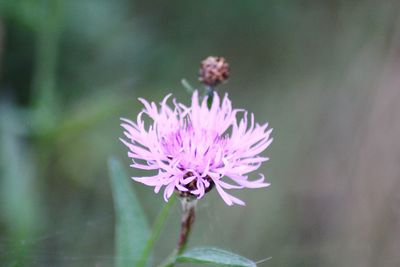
131, 228
324, 73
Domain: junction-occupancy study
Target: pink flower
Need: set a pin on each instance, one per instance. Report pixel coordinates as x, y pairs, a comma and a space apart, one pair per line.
192, 149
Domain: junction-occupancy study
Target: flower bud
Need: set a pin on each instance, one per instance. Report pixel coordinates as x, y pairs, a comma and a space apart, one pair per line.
213, 71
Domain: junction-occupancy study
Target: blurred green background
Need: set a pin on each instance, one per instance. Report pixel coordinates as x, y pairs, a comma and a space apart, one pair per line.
325, 74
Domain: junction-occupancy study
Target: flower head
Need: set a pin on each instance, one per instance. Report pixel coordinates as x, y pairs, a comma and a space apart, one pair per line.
193, 149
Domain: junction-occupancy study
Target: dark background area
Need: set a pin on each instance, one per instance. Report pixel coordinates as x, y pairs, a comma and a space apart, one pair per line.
324, 74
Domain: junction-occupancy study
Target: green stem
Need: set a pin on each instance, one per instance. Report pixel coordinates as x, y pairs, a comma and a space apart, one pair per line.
209, 92
170, 261
47, 52
157, 227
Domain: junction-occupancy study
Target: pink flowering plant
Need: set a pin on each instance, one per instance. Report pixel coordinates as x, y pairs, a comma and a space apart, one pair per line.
187, 150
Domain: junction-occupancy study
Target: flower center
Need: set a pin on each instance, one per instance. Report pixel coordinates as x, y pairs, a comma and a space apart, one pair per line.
197, 150
192, 185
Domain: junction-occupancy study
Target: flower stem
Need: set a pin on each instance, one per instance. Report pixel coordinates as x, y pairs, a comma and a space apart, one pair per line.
188, 217
209, 92
186, 225
157, 227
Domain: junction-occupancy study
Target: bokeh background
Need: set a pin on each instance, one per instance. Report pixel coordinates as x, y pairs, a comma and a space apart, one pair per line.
325, 74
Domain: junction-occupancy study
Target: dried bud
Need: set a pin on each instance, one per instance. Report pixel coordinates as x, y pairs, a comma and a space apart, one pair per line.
213, 71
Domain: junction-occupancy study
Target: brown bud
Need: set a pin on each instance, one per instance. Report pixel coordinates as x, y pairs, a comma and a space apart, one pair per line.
213, 71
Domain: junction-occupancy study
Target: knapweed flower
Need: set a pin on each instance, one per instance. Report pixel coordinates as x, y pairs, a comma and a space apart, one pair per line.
194, 148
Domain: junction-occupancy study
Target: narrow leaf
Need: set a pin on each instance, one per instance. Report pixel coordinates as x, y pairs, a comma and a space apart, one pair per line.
131, 229
189, 88
215, 256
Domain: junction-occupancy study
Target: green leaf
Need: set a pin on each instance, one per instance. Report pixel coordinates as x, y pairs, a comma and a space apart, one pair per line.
131, 230
188, 87
215, 256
